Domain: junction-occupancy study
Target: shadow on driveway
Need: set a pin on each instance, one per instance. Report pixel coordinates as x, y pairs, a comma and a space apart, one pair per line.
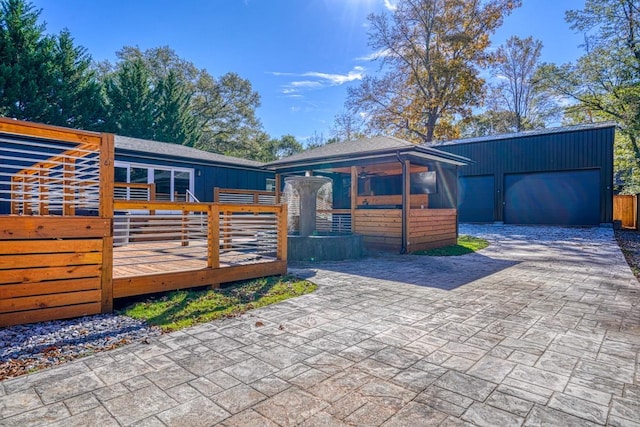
445, 273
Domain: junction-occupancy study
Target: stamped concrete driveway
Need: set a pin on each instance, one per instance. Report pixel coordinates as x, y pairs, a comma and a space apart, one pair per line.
541, 328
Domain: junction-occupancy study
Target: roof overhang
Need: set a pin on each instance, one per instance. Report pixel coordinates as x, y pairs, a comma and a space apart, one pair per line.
415, 154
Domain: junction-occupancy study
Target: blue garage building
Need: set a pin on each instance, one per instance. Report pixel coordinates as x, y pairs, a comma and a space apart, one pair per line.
555, 176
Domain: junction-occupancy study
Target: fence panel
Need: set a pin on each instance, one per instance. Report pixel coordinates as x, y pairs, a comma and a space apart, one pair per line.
624, 210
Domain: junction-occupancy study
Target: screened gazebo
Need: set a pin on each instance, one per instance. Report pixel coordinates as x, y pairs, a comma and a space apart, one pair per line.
399, 196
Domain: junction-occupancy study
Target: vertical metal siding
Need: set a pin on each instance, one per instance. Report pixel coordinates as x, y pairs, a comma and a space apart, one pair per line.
571, 150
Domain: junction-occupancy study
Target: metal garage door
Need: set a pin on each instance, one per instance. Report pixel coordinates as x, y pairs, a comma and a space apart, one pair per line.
476, 199
561, 198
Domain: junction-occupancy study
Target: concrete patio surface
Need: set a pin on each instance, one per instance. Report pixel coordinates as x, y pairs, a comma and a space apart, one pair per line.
541, 328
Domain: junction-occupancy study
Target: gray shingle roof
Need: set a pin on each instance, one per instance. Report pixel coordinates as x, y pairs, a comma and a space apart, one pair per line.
359, 146
352, 150
177, 150
527, 133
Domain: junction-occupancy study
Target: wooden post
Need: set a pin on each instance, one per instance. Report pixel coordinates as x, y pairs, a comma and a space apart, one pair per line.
184, 232
26, 197
16, 186
277, 189
43, 209
68, 207
406, 208
354, 197
213, 236
216, 194
282, 233
106, 211
226, 230
152, 196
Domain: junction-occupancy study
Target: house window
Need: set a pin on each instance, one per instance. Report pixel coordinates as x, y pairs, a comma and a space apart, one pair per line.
271, 184
171, 183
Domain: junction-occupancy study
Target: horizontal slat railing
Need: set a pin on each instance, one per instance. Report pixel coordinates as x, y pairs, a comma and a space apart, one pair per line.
235, 196
254, 234
334, 221
134, 191
159, 237
48, 177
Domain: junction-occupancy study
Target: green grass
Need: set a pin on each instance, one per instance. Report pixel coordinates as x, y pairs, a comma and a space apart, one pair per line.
466, 245
180, 309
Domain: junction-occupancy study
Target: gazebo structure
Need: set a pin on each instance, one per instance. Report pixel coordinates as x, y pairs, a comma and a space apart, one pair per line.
399, 196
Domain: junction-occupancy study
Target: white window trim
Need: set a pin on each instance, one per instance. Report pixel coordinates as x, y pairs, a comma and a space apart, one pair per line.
150, 175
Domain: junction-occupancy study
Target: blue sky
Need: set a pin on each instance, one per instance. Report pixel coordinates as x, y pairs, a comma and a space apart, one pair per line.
300, 55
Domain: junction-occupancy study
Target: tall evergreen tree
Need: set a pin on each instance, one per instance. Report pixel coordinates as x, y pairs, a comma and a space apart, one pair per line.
75, 96
26, 62
130, 103
174, 121
44, 78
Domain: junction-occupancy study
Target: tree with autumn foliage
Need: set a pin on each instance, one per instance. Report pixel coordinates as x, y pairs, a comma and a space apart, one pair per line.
432, 52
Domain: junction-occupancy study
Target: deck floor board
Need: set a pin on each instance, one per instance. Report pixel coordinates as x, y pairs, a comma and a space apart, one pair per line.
137, 259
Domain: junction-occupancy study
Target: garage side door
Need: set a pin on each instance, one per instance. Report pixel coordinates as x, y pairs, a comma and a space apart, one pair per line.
558, 198
476, 199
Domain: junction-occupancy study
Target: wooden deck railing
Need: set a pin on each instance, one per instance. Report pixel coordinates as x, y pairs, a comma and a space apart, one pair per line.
196, 241
58, 254
256, 197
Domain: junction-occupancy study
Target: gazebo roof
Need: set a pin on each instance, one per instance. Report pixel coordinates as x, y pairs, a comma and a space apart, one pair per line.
377, 149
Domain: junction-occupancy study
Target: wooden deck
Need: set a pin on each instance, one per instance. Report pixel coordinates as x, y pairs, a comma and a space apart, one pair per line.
139, 259
65, 253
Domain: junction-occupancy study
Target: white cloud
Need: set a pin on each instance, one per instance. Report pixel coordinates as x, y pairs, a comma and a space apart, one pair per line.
337, 79
316, 80
306, 83
374, 55
390, 5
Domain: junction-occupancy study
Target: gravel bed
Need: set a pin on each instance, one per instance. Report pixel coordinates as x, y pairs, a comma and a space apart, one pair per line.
26, 348
629, 242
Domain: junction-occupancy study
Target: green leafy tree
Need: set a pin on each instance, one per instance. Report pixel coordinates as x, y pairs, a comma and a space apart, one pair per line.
279, 148
226, 108
223, 109
432, 51
604, 84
